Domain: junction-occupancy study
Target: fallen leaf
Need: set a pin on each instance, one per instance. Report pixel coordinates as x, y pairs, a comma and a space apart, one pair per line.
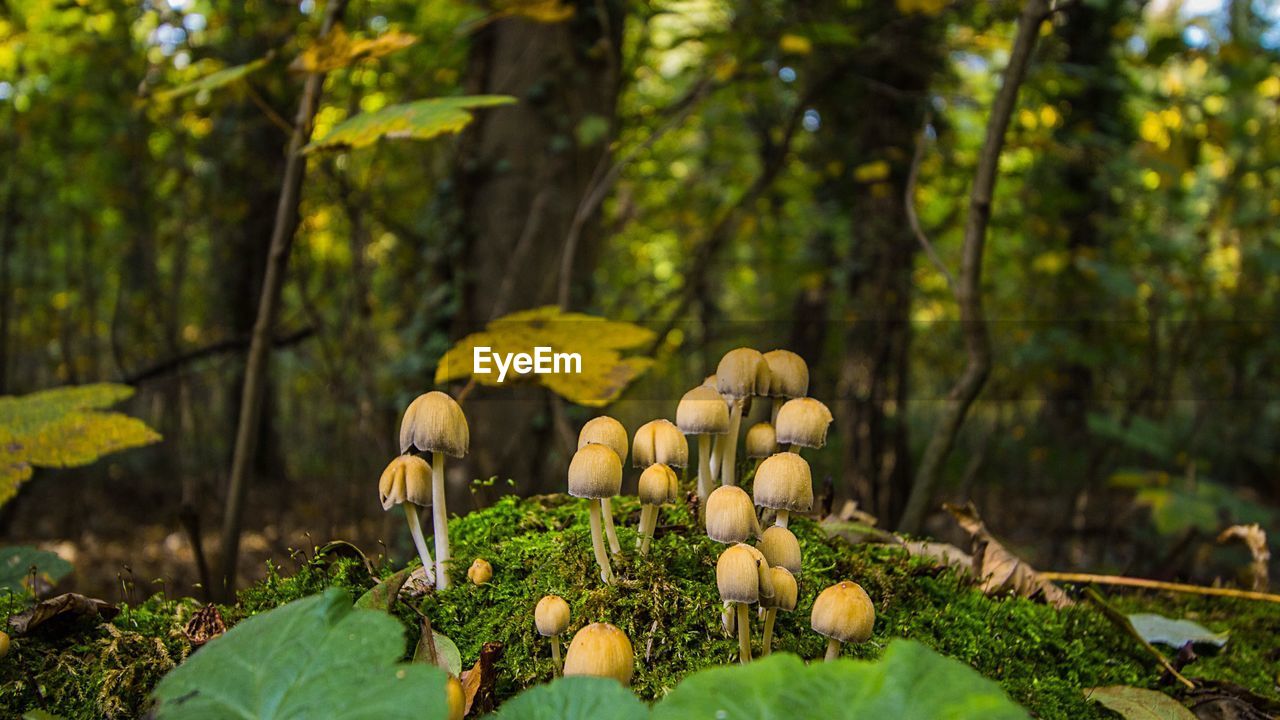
1137, 704
435, 648
942, 553
383, 595
998, 570
1217, 700
417, 585
59, 613
1175, 633
204, 626
1255, 539
478, 682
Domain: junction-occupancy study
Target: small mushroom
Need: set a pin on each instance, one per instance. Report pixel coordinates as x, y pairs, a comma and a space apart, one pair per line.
600, 650
703, 412
741, 373
551, 617
595, 473
803, 422
659, 441
480, 572
434, 423
455, 698
784, 483
658, 485
607, 431
742, 577
761, 441
4, 643
731, 518
780, 547
843, 613
788, 378
785, 593
407, 481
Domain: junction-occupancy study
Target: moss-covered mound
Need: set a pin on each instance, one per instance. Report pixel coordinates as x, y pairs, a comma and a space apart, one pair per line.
667, 604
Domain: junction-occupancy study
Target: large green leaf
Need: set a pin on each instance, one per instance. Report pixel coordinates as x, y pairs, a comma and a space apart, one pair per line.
1133, 703
910, 681
18, 563
418, 120
575, 698
1167, 631
213, 80
312, 658
63, 427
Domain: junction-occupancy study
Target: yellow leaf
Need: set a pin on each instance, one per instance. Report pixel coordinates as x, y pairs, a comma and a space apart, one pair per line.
542, 11
795, 44
871, 172
338, 50
418, 120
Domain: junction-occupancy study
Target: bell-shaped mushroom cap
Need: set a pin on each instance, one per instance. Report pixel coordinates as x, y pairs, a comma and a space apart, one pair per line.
742, 373
785, 591
455, 698
803, 422
783, 482
738, 574
606, 431
406, 479
712, 382
657, 484
762, 568
551, 616
600, 650
731, 518
780, 547
595, 472
844, 612
702, 411
788, 374
434, 423
658, 441
761, 441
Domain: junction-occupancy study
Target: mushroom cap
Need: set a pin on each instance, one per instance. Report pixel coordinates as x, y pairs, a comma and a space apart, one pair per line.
788, 374
785, 590
702, 411
803, 421
480, 571
600, 650
780, 547
658, 484
783, 482
434, 422
407, 478
712, 382
761, 440
739, 572
606, 431
595, 472
455, 698
659, 441
742, 373
844, 612
551, 616
731, 518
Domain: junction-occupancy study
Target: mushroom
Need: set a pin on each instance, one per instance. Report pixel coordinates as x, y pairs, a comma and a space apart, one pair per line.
843, 613
783, 482
600, 650
742, 577
606, 431
659, 441
704, 413
761, 441
780, 547
731, 518
4, 643
658, 485
455, 698
784, 597
434, 423
788, 378
595, 473
407, 481
740, 374
551, 617
803, 422
480, 571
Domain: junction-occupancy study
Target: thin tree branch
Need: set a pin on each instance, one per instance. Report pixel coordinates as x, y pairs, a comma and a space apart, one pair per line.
172, 364
909, 202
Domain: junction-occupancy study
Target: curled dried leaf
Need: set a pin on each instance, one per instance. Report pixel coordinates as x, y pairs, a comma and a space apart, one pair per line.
1254, 538
204, 626
999, 570
59, 614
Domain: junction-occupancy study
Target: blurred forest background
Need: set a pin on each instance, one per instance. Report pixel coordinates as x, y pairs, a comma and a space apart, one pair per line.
759, 173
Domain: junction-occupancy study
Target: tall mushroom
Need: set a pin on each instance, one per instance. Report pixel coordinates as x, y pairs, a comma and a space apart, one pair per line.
761, 441
600, 650
434, 423
551, 617
731, 518
606, 431
785, 593
803, 422
784, 483
742, 577
740, 374
407, 481
659, 441
788, 378
595, 473
843, 613
703, 412
658, 485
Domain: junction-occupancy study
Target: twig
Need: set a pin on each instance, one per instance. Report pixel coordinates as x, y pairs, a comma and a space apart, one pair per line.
168, 365
267, 110
1159, 585
1119, 619
909, 202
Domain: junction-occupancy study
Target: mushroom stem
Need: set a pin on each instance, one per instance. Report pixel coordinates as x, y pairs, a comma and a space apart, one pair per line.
714, 460
606, 506
773, 414
704, 472
597, 543
648, 519
555, 655
420, 542
793, 448
783, 517
744, 634
833, 649
729, 447
769, 616
441, 517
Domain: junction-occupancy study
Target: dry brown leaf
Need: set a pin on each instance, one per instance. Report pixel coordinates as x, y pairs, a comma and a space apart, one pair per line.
59, 613
204, 626
999, 570
478, 682
1254, 538
943, 553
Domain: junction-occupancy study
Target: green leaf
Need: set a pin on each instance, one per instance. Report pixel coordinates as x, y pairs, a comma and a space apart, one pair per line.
383, 595
1167, 631
575, 698
214, 80
909, 681
1136, 704
448, 657
40, 715
418, 120
314, 657
62, 428
16, 564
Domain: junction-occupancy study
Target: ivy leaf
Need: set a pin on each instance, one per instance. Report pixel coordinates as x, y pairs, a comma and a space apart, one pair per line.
599, 342
1175, 633
17, 564
314, 657
575, 698
63, 428
338, 50
1133, 703
417, 120
213, 81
